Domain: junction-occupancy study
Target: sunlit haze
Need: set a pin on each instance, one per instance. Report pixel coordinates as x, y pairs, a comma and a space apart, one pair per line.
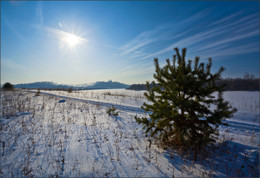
81, 42
71, 40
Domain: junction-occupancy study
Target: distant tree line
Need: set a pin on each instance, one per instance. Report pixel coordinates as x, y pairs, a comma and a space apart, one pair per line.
239, 84
248, 83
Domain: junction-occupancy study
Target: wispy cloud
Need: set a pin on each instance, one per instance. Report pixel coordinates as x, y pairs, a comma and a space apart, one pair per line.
141, 65
39, 13
225, 19
145, 38
215, 35
60, 24
235, 50
231, 39
137, 47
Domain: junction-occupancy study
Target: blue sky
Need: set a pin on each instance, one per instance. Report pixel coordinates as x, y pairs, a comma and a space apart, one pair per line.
82, 42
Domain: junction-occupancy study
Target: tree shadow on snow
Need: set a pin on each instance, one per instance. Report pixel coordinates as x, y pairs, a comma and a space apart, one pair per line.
242, 126
229, 159
118, 119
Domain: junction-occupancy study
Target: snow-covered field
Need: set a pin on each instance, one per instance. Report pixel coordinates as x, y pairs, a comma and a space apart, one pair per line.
71, 135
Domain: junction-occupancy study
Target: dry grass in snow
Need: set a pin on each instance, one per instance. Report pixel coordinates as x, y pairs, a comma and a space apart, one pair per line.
69, 136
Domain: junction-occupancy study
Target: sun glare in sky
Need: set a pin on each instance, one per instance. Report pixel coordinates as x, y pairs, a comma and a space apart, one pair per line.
71, 41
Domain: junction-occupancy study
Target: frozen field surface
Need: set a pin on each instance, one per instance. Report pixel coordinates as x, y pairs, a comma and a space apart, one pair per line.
71, 135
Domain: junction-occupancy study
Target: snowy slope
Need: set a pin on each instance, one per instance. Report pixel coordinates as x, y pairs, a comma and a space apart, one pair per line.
42, 136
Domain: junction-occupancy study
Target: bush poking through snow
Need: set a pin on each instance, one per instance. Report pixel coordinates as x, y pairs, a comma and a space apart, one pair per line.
70, 90
112, 111
37, 93
8, 86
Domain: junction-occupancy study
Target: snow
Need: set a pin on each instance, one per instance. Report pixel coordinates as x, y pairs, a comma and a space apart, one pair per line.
42, 136
116, 96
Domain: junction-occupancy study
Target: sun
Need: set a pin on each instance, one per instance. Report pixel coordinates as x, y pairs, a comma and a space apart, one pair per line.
72, 40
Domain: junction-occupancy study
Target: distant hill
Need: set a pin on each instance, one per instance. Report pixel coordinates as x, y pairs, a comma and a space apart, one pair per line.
51, 85
108, 85
42, 85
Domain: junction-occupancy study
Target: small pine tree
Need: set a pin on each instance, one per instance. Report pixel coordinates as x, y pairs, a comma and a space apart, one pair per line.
69, 90
112, 111
184, 112
38, 92
8, 86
